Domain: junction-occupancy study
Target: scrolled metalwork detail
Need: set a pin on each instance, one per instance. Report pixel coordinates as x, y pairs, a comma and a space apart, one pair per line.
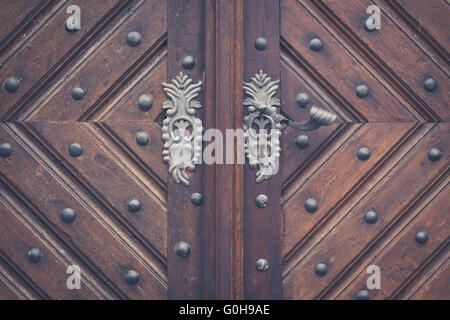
262, 124
261, 127
181, 131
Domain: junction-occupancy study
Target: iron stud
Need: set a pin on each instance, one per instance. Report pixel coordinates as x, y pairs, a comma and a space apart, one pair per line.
262, 265
132, 277
262, 201
145, 102
371, 217
197, 198
133, 38
302, 141
134, 205
421, 237
183, 249
430, 84
261, 43
67, 215
77, 93
11, 84
311, 205
362, 91
142, 138
363, 153
321, 269
302, 100
315, 44
188, 62
35, 255
75, 150
5, 150
435, 154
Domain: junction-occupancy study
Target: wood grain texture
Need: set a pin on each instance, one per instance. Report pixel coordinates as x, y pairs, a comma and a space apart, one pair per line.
262, 238
223, 183
185, 220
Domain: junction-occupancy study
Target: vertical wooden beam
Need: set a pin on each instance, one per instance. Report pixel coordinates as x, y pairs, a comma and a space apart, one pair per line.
224, 182
185, 221
262, 226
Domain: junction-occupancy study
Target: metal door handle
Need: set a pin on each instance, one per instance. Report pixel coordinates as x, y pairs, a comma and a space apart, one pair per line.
262, 148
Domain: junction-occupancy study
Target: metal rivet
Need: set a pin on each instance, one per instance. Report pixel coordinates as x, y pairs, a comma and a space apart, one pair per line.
11, 84
315, 44
363, 153
421, 237
321, 269
262, 265
75, 150
311, 205
132, 277
188, 62
435, 154
197, 198
262, 201
430, 84
142, 138
302, 141
5, 150
362, 91
363, 295
134, 205
369, 25
183, 249
261, 43
35, 255
145, 102
77, 93
302, 100
67, 215
371, 217
134, 38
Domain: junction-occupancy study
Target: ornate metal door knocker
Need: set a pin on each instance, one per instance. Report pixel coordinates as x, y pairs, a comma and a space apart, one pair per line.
182, 131
262, 125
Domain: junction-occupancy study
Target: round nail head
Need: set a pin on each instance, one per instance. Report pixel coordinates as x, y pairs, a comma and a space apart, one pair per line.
421, 237
183, 249
197, 198
262, 201
77, 93
315, 44
134, 205
262, 265
302, 141
134, 38
261, 43
362, 91
302, 100
67, 215
35, 255
321, 269
371, 217
430, 84
188, 62
145, 102
311, 205
363, 153
142, 138
435, 154
363, 295
11, 84
75, 150
5, 150
132, 277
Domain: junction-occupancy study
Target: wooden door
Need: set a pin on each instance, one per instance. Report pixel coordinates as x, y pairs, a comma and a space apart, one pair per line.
83, 181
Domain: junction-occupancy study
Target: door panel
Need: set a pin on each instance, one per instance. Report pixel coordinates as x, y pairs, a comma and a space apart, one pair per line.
133, 222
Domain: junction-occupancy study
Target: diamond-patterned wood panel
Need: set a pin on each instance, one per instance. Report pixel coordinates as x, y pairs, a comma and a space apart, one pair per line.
115, 183
400, 122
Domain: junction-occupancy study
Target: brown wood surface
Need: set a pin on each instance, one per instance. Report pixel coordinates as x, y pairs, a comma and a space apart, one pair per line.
262, 226
400, 122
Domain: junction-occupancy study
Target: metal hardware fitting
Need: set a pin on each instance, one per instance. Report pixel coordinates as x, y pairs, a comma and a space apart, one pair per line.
262, 148
181, 131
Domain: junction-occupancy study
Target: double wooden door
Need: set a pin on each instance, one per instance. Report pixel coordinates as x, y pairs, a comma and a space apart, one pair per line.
83, 181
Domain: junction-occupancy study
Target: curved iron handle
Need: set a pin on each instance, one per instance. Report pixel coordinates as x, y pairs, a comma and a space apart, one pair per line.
317, 117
